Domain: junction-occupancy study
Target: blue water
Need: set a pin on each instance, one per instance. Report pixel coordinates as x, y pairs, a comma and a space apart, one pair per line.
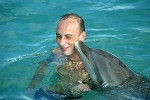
27, 34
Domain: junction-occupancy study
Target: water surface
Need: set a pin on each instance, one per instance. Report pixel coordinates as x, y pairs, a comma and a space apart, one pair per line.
28, 34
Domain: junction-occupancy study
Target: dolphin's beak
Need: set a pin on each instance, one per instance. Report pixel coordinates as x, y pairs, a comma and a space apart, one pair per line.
84, 53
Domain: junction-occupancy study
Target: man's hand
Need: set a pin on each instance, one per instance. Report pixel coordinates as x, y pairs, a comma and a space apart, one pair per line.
81, 87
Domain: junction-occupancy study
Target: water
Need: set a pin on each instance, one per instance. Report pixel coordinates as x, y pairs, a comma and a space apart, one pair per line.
27, 29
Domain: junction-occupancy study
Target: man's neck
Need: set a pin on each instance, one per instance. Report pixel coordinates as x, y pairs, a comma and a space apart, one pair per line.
74, 57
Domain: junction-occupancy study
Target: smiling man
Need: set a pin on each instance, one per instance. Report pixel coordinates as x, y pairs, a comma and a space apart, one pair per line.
72, 78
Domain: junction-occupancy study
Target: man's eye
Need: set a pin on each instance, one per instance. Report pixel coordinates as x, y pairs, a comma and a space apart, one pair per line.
58, 36
68, 37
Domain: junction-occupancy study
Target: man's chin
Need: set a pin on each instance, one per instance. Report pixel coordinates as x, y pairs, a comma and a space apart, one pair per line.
66, 53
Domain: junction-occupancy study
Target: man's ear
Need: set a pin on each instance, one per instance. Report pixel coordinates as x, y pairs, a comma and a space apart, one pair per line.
82, 36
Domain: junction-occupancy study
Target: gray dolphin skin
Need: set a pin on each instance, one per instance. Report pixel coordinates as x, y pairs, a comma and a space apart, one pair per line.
104, 68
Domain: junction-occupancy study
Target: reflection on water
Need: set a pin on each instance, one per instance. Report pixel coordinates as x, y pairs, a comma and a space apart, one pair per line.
28, 34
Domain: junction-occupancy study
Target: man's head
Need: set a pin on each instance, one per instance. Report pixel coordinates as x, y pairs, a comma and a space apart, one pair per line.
69, 30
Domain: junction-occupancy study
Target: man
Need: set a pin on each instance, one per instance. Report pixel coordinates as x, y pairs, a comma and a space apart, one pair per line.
69, 30
73, 79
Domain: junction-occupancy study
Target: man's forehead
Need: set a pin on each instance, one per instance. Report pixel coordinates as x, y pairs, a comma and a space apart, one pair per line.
67, 23
68, 26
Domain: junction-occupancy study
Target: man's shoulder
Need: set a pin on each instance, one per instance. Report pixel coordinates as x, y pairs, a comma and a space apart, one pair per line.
56, 56
56, 51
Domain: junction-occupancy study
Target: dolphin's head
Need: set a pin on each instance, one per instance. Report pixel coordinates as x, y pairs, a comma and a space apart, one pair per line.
102, 66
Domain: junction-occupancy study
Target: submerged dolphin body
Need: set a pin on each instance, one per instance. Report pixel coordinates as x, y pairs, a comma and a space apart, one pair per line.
104, 68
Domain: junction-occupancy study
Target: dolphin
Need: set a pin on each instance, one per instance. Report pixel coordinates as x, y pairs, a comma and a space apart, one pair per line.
104, 68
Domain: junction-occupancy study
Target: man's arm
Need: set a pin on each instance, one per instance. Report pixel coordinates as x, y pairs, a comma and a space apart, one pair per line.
39, 74
55, 54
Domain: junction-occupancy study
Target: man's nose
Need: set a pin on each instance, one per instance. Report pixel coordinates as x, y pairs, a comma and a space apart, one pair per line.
62, 41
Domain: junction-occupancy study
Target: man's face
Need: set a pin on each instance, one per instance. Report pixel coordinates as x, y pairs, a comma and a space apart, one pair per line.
67, 34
